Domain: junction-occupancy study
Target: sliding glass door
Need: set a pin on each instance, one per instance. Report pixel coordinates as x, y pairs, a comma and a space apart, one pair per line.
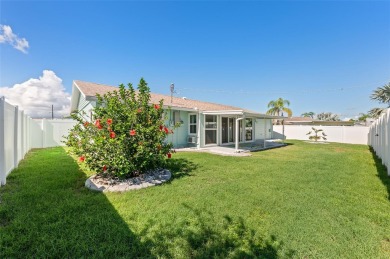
228, 130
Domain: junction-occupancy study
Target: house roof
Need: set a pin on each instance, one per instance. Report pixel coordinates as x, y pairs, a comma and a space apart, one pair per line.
89, 90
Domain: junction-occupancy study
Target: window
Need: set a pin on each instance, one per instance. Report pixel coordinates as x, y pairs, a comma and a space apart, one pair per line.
176, 117
248, 129
211, 122
211, 129
192, 124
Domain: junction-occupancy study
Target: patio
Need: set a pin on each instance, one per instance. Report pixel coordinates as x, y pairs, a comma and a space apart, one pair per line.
244, 148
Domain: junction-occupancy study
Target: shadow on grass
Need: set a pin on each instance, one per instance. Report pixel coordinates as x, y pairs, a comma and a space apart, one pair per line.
382, 171
48, 212
197, 236
180, 167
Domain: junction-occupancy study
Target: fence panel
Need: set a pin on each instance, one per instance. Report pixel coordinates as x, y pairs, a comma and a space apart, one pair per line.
379, 138
9, 138
341, 134
19, 133
52, 132
2, 142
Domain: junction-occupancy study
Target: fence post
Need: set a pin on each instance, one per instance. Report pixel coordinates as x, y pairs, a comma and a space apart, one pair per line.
2, 143
44, 132
382, 138
387, 144
16, 114
22, 129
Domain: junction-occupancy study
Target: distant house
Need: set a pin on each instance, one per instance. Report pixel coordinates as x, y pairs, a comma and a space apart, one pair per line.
313, 122
203, 124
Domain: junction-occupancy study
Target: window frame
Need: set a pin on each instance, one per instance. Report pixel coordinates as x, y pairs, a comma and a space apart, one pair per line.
216, 129
248, 128
192, 124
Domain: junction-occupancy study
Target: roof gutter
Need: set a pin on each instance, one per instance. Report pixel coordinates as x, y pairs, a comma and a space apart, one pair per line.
226, 112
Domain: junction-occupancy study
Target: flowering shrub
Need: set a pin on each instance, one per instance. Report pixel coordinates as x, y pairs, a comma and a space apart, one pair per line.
127, 136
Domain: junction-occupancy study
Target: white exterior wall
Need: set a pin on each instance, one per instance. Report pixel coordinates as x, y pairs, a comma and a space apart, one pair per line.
269, 129
19, 133
260, 131
263, 129
341, 134
379, 138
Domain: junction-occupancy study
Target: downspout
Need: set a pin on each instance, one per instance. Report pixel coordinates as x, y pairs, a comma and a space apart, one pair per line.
237, 133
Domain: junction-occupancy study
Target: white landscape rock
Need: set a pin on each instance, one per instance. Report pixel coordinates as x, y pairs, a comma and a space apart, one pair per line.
149, 179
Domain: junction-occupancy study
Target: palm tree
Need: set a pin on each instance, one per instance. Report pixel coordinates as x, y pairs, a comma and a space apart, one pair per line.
308, 114
363, 116
278, 106
327, 116
382, 94
375, 112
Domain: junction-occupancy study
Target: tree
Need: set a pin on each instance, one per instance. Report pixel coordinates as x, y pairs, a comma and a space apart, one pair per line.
278, 106
382, 94
376, 112
327, 116
363, 117
308, 114
316, 136
128, 136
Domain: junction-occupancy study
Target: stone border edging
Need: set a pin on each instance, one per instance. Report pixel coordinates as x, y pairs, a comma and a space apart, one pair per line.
136, 183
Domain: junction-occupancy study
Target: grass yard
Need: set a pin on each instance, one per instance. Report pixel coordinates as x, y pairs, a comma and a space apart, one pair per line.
300, 201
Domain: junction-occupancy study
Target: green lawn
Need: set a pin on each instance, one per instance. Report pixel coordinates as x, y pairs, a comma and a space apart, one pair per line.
302, 201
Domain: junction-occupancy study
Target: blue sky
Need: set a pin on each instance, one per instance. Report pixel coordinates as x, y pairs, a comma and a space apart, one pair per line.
323, 56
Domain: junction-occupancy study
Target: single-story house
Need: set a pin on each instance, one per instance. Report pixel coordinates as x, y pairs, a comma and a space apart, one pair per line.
203, 124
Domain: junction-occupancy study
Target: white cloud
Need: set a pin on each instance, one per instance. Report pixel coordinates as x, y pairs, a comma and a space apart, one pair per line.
36, 96
7, 36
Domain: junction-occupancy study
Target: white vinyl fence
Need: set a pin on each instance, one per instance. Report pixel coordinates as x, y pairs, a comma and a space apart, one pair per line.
340, 134
379, 138
19, 133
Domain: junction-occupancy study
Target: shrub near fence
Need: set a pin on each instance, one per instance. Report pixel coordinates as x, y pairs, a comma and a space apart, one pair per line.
19, 133
379, 138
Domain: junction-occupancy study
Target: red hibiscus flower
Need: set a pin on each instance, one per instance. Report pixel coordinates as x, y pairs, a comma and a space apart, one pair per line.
104, 168
97, 124
133, 132
156, 106
112, 134
86, 124
82, 159
169, 155
161, 127
109, 121
166, 130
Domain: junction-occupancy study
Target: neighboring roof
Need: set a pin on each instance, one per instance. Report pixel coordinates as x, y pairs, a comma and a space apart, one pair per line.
298, 119
310, 121
89, 90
